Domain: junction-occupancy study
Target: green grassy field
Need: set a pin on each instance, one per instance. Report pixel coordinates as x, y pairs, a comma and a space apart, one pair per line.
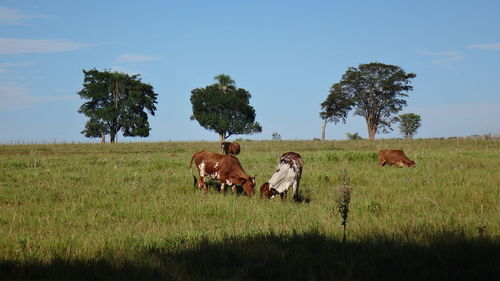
129, 211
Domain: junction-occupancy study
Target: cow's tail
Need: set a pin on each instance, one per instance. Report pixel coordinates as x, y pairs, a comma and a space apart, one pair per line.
195, 181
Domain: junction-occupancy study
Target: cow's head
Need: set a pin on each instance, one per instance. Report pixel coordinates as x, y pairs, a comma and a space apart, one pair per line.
225, 147
409, 163
266, 191
249, 186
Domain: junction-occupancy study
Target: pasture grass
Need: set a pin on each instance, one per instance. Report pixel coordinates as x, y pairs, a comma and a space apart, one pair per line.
129, 211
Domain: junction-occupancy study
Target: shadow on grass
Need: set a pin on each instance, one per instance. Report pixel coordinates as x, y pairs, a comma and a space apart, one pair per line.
309, 256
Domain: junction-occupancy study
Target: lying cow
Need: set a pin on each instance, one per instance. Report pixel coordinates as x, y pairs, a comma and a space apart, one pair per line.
394, 157
285, 178
224, 168
230, 148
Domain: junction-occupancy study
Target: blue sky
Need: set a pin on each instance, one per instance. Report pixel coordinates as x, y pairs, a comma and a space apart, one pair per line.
286, 53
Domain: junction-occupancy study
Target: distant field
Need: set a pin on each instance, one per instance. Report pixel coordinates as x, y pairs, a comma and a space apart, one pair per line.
129, 211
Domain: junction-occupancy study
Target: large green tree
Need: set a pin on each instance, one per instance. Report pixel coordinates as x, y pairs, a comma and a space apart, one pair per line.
378, 91
408, 124
116, 102
336, 107
224, 108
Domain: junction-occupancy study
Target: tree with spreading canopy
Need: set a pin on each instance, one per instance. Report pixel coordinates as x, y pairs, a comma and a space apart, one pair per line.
224, 108
116, 102
409, 124
336, 107
377, 91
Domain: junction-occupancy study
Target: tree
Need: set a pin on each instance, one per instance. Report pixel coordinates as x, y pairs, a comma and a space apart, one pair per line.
276, 136
224, 108
225, 82
354, 136
378, 91
116, 101
336, 107
408, 124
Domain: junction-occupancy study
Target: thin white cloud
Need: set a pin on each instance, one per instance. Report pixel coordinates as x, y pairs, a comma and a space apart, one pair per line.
29, 46
10, 16
449, 60
492, 46
6, 67
134, 58
445, 53
446, 58
15, 96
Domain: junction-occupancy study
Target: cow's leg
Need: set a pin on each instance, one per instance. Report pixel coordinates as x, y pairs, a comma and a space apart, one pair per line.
284, 194
295, 190
231, 183
202, 184
222, 181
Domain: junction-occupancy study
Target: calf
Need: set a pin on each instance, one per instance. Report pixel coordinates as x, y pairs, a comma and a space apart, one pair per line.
266, 191
394, 157
224, 168
230, 148
287, 176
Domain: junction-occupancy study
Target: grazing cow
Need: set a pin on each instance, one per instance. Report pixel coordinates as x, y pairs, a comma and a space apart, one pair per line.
394, 157
287, 176
230, 148
224, 168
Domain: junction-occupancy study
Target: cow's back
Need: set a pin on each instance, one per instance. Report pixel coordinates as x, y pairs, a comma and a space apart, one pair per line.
397, 157
222, 164
232, 165
390, 154
288, 173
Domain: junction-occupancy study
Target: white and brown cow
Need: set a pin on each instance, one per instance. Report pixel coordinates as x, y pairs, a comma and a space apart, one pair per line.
230, 148
394, 157
224, 168
286, 177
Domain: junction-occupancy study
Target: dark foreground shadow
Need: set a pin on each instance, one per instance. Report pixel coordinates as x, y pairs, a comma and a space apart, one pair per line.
309, 256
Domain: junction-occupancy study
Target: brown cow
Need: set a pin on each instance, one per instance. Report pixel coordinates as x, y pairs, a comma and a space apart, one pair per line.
230, 148
396, 157
224, 168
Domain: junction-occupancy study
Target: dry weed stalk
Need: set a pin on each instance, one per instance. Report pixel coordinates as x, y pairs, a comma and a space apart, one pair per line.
343, 199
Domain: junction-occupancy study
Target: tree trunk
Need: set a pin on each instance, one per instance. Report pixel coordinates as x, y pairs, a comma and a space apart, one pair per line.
372, 130
112, 137
222, 137
323, 128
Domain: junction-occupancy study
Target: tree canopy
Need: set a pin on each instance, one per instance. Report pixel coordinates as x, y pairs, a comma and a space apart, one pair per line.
224, 108
336, 107
116, 102
408, 124
377, 91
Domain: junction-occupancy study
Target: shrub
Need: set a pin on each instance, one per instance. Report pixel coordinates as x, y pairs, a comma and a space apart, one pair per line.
332, 157
276, 136
360, 156
354, 136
